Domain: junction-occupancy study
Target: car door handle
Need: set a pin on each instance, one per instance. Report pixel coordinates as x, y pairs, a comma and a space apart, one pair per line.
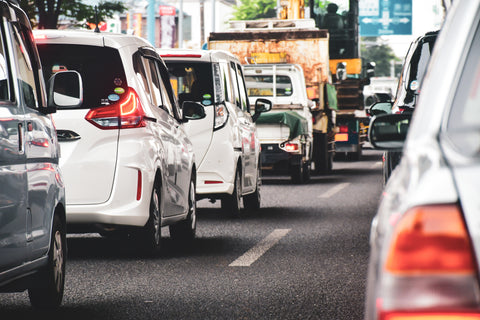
20, 138
67, 136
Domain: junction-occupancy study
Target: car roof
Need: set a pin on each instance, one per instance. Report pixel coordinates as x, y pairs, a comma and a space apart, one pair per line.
195, 54
88, 37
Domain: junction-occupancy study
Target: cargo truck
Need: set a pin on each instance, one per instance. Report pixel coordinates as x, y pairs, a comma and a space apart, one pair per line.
276, 48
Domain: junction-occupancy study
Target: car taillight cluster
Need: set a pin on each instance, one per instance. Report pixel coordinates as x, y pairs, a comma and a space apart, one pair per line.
430, 269
221, 116
123, 114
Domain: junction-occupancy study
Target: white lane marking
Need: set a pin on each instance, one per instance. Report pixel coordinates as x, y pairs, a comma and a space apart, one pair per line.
376, 164
259, 249
334, 190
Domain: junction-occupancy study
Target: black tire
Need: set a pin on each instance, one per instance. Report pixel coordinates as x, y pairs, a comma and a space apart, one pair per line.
357, 155
252, 201
323, 158
50, 282
300, 173
231, 203
184, 231
149, 237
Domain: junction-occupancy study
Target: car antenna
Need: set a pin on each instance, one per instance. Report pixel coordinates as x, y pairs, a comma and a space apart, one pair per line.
96, 20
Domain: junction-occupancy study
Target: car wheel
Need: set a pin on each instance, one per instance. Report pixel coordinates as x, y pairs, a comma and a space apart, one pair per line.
150, 235
252, 201
184, 231
231, 203
49, 283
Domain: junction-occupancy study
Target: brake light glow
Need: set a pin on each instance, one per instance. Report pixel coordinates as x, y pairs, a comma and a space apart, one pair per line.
167, 55
431, 239
126, 113
343, 129
430, 316
291, 147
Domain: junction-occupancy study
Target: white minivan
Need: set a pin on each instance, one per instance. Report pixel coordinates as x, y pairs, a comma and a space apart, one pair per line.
225, 142
128, 164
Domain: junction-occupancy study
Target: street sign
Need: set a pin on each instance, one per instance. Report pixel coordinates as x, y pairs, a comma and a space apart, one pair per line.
385, 17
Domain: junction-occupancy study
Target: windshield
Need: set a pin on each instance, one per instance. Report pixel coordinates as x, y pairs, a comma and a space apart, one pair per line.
262, 85
100, 67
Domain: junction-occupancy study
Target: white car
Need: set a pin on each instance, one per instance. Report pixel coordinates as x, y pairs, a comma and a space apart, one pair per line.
128, 165
226, 144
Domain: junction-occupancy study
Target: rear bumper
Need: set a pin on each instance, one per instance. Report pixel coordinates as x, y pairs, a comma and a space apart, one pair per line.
135, 214
276, 159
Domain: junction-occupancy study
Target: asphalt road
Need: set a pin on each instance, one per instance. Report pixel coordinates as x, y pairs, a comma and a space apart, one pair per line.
303, 255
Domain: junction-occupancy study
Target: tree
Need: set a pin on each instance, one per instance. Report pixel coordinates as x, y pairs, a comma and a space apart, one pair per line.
48, 11
255, 9
380, 53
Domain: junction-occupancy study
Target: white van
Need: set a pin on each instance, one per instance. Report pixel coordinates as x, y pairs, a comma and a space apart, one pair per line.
225, 142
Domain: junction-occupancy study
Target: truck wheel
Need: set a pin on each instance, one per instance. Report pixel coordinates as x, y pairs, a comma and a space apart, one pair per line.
357, 155
300, 173
252, 201
323, 158
231, 202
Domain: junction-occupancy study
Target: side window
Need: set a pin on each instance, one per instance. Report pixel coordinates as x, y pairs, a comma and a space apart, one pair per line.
233, 76
141, 74
4, 72
464, 120
168, 97
155, 83
227, 85
27, 67
245, 106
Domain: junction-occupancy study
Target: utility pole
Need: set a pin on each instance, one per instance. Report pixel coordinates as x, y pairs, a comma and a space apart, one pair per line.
213, 16
151, 22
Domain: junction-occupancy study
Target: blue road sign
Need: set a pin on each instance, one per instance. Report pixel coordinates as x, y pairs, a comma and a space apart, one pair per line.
385, 17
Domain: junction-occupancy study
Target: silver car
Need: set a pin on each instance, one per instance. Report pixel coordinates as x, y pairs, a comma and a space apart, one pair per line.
32, 192
425, 238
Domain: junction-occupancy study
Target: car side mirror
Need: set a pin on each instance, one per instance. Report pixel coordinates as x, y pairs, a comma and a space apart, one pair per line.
193, 111
371, 69
261, 105
65, 89
380, 108
389, 131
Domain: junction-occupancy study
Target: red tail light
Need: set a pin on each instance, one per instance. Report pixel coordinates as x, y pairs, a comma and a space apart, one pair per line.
291, 147
433, 240
430, 268
430, 316
343, 129
126, 113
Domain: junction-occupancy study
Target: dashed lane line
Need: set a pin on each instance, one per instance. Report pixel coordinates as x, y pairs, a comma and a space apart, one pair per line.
334, 190
259, 249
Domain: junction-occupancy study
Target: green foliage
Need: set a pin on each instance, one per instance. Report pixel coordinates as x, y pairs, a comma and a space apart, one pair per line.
255, 9
380, 53
48, 11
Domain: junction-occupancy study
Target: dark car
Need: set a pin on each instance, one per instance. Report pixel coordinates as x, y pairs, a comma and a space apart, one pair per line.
32, 192
413, 71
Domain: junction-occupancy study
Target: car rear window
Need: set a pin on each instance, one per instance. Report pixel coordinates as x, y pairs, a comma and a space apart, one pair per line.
101, 69
263, 86
192, 81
